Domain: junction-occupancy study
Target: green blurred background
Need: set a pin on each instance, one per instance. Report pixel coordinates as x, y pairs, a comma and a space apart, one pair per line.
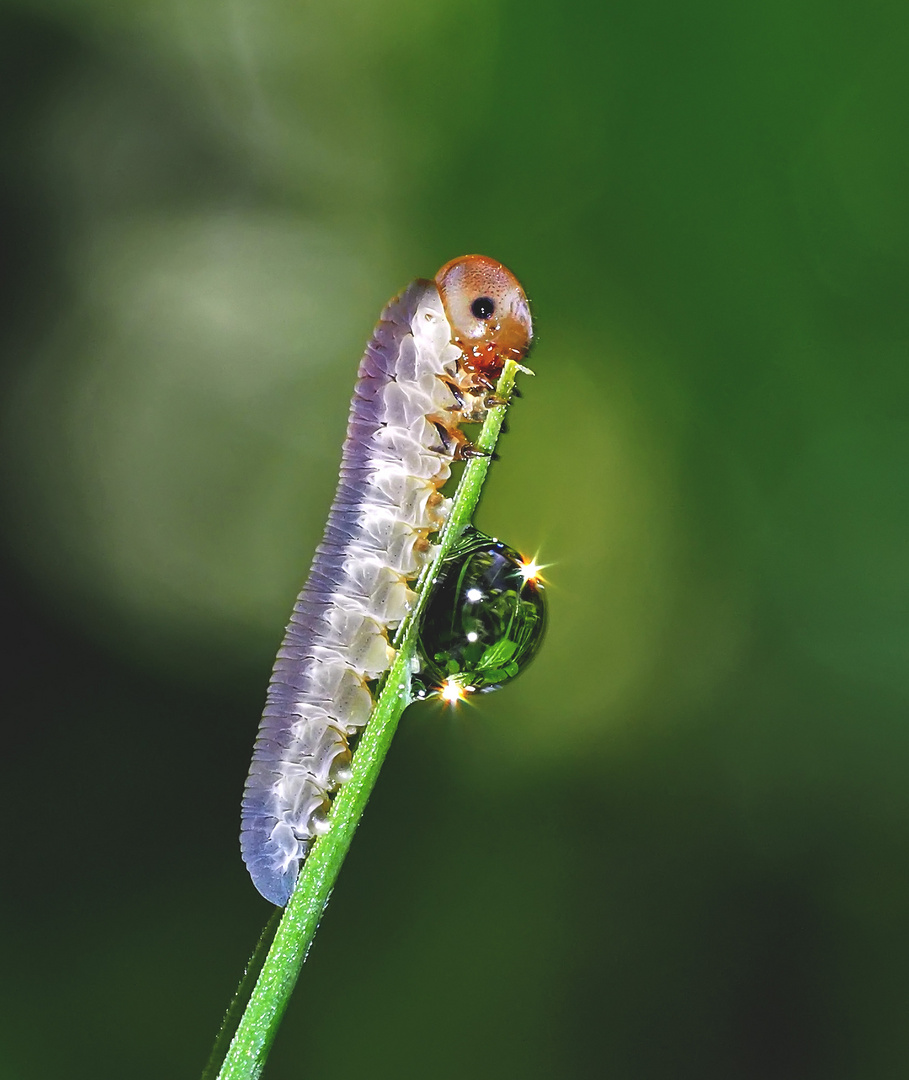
679, 845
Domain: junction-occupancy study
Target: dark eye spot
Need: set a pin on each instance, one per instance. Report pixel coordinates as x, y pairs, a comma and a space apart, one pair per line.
482, 307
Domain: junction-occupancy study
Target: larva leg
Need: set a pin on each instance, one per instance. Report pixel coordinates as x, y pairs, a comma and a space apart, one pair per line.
467, 451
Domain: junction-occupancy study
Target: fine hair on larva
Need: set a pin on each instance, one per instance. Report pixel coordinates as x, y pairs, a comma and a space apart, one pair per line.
431, 364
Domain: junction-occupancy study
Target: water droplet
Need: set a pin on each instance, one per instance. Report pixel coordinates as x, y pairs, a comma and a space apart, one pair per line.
484, 620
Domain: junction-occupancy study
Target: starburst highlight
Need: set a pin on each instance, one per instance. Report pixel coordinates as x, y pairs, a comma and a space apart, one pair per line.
452, 691
531, 571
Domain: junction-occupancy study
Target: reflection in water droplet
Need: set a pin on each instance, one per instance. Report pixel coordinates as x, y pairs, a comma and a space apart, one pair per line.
484, 621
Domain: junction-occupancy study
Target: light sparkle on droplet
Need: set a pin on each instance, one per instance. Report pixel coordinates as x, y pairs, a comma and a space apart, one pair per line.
474, 595
452, 691
532, 571
472, 635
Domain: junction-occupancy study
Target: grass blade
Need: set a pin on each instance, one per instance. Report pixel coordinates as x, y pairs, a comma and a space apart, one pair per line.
259, 1023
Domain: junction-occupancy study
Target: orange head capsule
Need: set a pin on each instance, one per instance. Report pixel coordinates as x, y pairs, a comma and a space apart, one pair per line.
488, 312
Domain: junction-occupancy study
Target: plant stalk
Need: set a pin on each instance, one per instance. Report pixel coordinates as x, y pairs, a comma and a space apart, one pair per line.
259, 1023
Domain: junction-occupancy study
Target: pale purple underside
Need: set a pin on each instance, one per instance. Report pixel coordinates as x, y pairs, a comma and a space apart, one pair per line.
266, 841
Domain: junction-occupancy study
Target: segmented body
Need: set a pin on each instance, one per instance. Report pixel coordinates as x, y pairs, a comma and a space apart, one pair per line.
418, 380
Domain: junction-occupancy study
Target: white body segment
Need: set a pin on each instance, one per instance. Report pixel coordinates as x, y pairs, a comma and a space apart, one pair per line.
375, 543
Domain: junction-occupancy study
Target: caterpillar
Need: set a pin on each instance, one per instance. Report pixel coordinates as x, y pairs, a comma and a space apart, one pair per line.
432, 363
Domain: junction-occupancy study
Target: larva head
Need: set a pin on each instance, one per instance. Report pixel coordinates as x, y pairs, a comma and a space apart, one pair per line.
488, 312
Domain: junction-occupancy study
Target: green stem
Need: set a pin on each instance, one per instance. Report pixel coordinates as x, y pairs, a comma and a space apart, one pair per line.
258, 1026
